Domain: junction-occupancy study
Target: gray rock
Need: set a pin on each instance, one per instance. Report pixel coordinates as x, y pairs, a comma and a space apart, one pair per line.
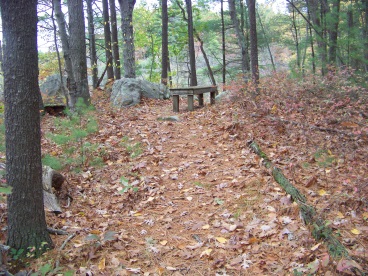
52, 92
128, 91
170, 119
223, 96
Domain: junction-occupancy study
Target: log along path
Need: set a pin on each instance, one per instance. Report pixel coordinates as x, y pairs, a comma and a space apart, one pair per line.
205, 204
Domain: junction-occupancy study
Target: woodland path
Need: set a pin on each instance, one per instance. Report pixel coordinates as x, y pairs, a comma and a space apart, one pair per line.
205, 204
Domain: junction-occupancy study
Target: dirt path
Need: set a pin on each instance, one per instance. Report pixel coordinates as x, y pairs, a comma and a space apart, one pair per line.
205, 205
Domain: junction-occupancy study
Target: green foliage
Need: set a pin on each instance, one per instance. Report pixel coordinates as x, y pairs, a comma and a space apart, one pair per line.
134, 149
126, 186
324, 158
48, 64
71, 135
48, 269
52, 162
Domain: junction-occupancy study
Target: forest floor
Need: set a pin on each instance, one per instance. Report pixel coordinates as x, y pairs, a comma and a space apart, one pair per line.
197, 199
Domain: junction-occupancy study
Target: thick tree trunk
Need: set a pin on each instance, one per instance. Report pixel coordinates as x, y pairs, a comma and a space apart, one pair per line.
241, 38
253, 40
92, 43
114, 38
127, 7
27, 228
365, 35
165, 43
192, 62
107, 36
72, 87
77, 45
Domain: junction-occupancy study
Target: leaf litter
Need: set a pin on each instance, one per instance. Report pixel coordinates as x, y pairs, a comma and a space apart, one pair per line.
204, 204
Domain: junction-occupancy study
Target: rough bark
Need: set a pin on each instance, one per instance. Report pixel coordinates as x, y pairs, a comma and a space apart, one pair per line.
253, 40
92, 43
165, 43
365, 35
27, 227
114, 40
66, 51
107, 36
77, 46
126, 8
193, 70
241, 38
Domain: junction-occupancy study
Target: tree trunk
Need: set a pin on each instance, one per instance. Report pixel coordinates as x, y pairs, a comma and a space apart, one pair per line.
92, 43
267, 43
77, 46
295, 34
107, 36
223, 44
365, 35
114, 38
210, 72
317, 16
335, 12
71, 85
241, 39
165, 43
193, 71
127, 7
253, 40
58, 57
27, 227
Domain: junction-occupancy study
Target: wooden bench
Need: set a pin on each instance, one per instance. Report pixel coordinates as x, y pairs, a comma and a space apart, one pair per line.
190, 92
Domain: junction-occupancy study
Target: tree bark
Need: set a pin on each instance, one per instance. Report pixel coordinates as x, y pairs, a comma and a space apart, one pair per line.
107, 35
253, 40
114, 40
165, 43
267, 43
27, 227
223, 44
241, 39
71, 85
92, 43
77, 45
333, 31
127, 7
193, 70
58, 56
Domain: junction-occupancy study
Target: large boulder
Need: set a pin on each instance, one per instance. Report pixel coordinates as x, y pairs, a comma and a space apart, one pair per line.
52, 91
128, 92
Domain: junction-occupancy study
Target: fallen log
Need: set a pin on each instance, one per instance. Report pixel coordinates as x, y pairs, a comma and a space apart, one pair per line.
320, 229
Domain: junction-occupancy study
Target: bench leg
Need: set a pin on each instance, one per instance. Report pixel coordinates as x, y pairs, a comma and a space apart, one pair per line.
212, 97
176, 103
190, 103
200, 99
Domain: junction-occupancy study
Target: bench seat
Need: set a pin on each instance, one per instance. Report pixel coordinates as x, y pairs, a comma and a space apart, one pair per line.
190, 92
